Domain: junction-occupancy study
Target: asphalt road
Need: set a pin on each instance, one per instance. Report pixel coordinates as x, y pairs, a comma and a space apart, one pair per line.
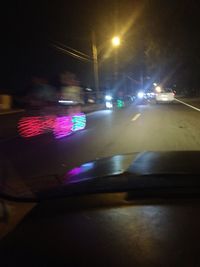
150, 127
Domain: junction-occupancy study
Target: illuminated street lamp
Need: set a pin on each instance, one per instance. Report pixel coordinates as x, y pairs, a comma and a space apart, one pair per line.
82, 56
115, 41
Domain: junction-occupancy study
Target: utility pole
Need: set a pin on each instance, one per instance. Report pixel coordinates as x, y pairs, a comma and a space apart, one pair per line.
116, 66
95, 64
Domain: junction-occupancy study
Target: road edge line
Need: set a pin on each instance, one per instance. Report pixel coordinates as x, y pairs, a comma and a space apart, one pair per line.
197, 109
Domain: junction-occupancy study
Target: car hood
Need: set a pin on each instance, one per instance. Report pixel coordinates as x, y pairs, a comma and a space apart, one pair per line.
119, 172
146, 163
131, 171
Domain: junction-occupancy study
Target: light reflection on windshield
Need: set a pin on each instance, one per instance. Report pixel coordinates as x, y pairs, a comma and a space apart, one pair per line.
71, 176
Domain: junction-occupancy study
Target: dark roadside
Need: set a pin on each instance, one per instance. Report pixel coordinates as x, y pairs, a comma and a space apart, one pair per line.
8, 124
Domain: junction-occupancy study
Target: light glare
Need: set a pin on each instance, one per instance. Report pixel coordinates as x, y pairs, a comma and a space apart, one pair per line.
108, 97
158, 89
116, 41
140, 95
109, 105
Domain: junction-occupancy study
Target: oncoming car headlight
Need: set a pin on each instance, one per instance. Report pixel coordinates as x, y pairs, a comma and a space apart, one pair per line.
108, 97
140, 94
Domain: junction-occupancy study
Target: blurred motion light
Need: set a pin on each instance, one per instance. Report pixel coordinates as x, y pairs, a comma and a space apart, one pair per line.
108, 97
158, 89
30, 126
61, 126
66, 102
116, 41
79, 122
155, 84
140, 94
120, 103
109, 105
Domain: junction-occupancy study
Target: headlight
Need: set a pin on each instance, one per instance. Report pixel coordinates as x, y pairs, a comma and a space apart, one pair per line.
109, 105
158, 89
140, 94
108, 97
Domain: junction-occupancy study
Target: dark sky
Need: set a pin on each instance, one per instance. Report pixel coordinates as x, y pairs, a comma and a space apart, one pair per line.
159, 37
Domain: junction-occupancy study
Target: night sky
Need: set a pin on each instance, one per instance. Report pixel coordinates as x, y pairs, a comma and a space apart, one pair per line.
161, 38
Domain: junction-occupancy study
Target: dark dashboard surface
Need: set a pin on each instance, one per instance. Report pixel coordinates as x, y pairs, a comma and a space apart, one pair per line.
106, 230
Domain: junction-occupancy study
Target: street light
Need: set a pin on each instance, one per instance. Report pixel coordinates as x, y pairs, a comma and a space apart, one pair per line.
82, 56
115, 41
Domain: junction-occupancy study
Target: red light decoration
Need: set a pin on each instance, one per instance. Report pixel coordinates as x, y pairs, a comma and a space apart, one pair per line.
30, 126
61, 126
48, 122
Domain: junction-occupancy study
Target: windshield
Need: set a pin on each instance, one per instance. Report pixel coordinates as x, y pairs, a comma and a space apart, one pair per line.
79, 83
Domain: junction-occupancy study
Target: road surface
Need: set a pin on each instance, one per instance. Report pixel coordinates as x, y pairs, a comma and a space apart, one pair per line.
151, 127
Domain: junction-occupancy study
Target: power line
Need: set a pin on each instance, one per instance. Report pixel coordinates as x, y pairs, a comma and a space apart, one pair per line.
65, 51
72, 49
133, 80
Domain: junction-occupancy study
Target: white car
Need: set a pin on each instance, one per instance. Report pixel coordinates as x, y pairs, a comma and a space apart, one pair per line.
165, 96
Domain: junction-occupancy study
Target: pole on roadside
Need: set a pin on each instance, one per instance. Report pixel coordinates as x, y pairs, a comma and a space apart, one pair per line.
95, 64
116, 66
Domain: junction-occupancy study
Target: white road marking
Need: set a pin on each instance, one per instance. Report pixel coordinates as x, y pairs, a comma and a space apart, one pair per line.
187, 104
136, 117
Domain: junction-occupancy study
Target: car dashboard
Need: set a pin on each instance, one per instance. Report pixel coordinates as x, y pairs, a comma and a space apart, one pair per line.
108, 229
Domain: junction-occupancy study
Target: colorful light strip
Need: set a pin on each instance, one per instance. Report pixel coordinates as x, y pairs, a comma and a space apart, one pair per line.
61, 126
48, 122
79, 122
30, 126
72, 176
120, 103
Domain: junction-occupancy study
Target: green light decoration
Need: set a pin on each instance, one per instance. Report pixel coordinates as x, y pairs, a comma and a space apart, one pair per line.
120, 103
79, 122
